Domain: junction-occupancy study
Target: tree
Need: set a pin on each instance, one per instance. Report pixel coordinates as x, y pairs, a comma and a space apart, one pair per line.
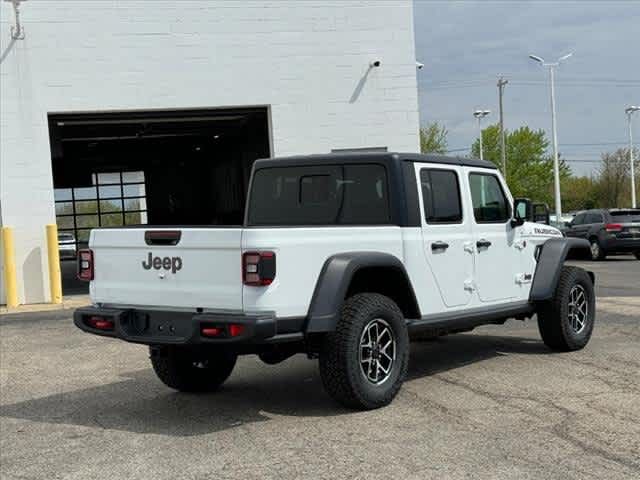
614, 179
529, 166
579, 193
433, 138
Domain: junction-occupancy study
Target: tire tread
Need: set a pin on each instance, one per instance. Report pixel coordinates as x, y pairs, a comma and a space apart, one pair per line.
174, 370
341, 345
550, 314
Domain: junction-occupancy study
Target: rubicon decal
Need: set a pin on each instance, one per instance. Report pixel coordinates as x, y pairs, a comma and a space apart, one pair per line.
546, 231
167, 263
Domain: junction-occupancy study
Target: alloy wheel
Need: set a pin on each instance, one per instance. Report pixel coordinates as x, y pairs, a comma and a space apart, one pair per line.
578, 308
377, 351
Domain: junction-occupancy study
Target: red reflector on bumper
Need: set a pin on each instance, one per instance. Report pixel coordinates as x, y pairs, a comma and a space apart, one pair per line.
236, 330
100, 323
211, 331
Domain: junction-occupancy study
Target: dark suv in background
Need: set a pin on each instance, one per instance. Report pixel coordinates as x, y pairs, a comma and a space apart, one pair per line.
608, 231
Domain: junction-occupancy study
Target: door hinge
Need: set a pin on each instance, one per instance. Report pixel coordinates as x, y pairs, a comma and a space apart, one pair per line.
469, 285
523, 278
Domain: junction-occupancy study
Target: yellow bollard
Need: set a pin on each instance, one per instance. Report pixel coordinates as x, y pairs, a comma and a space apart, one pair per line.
10, 279
55, 279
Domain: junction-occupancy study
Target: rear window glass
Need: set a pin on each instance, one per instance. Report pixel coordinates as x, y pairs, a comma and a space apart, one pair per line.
626, 216
320, 195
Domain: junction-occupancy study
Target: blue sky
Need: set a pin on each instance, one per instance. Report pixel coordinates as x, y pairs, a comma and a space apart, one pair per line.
465, 45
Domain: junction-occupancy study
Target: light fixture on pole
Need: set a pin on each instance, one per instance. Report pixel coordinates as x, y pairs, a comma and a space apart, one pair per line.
556, 166
629, 111
480, 114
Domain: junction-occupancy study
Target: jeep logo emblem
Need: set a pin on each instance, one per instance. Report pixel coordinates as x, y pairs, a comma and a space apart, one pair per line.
168, 263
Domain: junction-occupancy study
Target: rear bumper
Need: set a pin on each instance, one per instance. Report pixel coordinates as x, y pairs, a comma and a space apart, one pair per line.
154, 327
614, 244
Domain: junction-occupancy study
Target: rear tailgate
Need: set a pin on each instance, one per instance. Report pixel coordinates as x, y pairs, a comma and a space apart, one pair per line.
626, 224
142, 267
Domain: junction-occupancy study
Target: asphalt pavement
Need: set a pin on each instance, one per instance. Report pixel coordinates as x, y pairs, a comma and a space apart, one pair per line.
494, 403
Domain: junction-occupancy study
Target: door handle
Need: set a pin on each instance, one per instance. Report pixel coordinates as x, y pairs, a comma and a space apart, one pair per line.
482, 243
439, 246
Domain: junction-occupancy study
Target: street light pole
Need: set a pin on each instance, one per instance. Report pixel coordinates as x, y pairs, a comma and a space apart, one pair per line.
629, 111
501, 84
556, 166
480, 114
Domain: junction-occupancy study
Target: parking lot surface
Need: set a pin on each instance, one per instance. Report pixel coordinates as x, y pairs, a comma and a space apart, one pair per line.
495, 403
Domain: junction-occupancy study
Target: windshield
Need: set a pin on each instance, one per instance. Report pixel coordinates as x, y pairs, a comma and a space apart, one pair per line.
320, 195
626, 216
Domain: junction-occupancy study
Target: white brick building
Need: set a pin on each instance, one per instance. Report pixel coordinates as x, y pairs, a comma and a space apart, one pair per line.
117, 86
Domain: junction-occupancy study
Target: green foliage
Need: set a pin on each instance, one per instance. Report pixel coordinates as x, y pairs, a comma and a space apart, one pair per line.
613, 187
579, 193
530, 171
433, 138
529, 166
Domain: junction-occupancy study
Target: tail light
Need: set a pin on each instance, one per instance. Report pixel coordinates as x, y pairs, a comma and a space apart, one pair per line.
85, 265
613, 227
258, 268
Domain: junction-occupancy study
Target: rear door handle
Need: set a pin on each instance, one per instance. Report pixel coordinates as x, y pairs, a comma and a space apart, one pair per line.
483, 243
439, 246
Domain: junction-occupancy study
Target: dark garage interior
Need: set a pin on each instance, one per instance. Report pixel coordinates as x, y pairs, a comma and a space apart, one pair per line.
187, 167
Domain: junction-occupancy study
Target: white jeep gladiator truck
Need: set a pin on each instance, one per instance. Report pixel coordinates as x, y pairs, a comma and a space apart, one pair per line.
343, 257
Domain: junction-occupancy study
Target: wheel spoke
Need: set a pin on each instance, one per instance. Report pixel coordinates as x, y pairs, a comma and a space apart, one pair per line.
385, 370
388, 356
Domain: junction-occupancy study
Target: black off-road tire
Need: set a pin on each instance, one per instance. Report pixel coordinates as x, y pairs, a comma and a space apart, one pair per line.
637, 254
596, 251
189, 371
340, 368
553, 316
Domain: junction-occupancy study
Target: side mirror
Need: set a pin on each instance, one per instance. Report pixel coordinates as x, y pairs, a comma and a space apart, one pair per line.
541, 213
522, 211
567, 224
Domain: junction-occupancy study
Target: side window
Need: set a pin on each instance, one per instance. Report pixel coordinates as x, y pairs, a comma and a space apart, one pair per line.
594, 218
579, 219
441, 196
490, 204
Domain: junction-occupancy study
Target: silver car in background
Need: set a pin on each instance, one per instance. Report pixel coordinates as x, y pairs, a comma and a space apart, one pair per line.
67, 246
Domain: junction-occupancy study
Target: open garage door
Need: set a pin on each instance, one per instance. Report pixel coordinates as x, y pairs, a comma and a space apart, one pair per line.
186, 167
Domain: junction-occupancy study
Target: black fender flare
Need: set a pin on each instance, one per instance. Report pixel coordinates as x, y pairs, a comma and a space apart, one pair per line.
334, 281
550, 261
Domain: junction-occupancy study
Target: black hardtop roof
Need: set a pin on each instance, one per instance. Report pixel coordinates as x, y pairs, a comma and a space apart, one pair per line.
365, 157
